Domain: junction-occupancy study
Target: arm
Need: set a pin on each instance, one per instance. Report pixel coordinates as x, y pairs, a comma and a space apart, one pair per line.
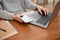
30, 5
5, 14
10, 16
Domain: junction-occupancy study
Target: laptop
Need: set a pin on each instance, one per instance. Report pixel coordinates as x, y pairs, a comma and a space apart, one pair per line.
43, 21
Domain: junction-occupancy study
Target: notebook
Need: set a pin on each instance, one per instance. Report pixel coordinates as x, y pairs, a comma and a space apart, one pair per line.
6, 30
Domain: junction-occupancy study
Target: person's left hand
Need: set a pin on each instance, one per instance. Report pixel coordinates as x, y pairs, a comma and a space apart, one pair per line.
42, 8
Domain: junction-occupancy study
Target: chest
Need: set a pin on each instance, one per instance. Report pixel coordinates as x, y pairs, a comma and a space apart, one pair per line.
13, 1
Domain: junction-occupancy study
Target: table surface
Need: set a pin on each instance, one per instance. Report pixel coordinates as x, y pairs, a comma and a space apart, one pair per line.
32, 32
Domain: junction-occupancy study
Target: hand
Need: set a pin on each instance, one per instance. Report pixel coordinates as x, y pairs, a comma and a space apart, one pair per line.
41, 8
18, 18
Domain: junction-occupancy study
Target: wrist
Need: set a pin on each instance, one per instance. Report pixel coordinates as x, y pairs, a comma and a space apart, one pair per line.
14, 16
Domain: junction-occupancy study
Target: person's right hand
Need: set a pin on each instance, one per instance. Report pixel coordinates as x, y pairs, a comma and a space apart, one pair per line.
18, 18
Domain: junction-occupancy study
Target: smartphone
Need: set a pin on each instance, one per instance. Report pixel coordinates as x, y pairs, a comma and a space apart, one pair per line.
26, 19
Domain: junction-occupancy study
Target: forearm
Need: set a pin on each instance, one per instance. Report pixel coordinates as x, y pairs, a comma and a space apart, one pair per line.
6, 15
30, 5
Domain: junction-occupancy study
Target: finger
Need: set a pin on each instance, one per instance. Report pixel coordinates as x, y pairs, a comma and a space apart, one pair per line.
40, 12
20, 19
44, 11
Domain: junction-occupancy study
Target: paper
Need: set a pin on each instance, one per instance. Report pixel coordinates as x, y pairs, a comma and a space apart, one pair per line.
10, 30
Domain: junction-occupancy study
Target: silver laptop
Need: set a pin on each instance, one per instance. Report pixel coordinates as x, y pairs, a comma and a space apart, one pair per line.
44, 21
40, 20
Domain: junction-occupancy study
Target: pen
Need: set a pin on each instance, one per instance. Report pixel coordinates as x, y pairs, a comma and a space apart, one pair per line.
3, 30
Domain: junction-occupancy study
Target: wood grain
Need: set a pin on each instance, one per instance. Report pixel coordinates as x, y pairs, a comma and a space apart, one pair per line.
32, 32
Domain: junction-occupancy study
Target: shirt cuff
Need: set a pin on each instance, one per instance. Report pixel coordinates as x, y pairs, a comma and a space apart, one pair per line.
34, 6
8, 15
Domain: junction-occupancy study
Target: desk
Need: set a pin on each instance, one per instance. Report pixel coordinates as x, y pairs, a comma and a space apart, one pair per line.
32, 32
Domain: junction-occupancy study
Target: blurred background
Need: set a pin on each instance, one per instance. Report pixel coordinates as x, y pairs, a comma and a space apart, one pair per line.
46, 3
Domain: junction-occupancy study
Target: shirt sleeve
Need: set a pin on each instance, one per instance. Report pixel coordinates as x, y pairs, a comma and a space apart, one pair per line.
30, 5
5, 14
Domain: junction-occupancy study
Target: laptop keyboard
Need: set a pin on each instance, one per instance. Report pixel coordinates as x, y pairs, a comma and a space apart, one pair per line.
44, 19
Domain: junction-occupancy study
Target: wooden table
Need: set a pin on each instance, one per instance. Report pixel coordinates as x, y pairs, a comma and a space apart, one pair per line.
32, 32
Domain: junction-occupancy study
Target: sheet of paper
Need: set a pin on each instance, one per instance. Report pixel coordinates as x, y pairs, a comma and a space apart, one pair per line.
10, 30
